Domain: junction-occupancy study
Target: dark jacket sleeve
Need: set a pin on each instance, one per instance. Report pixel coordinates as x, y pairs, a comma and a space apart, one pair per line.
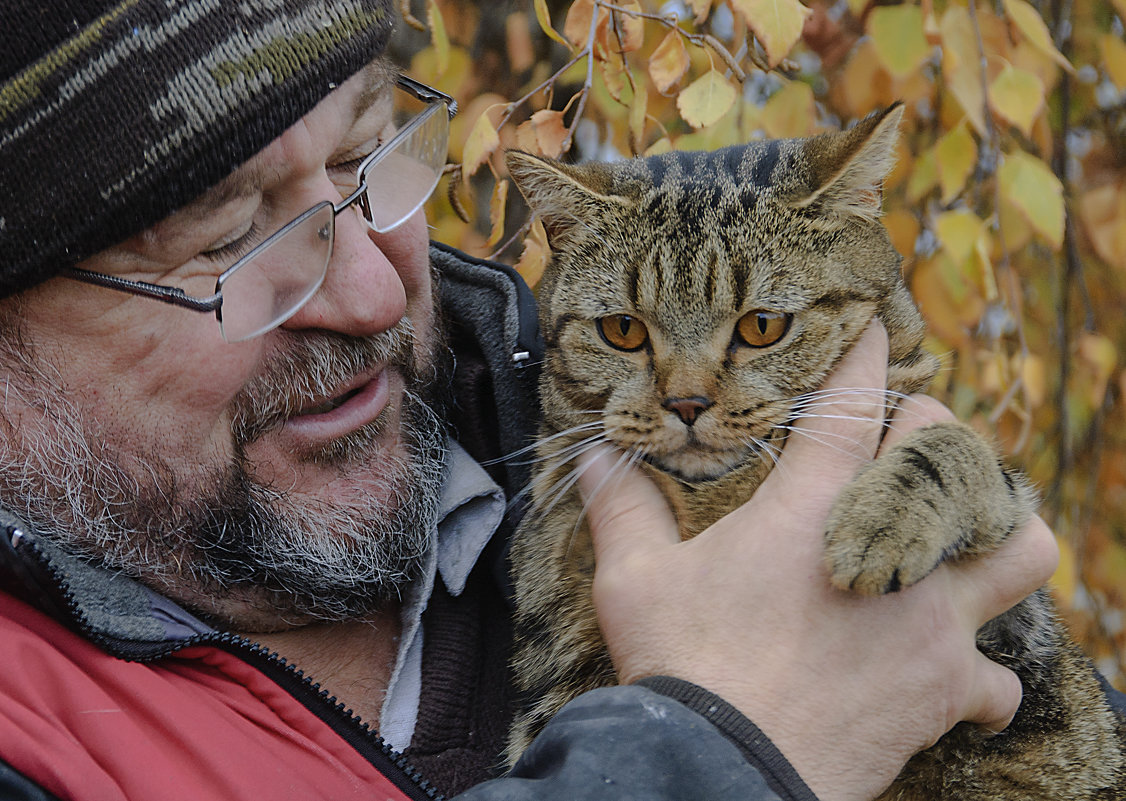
637, 742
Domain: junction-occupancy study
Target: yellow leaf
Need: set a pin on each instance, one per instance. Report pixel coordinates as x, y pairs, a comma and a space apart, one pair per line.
577, 26
438, 37
518, 42
777, 24
1031, 186
863, 82
790, 112
1034, 376
706, 99
543, 16
897, 32
958, 231
1113, 50
669, 62
961, 66
550, 132
481, 144
526, 138
1031, 26
955, 157
496, 212
1101, 357
1065, 581
923, 177
535, 255
627, 31
857, 7
614, 76
903, 230
662, 145
638, 108
1103, 212
1018, 96
700, 9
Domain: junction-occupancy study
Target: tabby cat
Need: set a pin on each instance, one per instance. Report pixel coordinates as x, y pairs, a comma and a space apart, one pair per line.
694, 304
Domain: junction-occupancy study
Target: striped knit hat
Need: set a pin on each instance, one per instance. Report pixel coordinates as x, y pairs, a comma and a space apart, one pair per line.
114, 113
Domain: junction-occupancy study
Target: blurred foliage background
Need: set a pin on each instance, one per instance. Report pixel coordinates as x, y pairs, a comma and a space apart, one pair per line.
1008, 202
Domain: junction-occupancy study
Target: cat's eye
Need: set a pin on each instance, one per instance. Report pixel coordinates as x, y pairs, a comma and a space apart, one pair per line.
760, 329
623, 332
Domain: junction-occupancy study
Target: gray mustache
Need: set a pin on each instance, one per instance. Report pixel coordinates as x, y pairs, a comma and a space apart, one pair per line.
310, 367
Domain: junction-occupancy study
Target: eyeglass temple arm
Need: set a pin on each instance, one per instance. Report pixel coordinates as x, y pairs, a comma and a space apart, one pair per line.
427, 94
170, 295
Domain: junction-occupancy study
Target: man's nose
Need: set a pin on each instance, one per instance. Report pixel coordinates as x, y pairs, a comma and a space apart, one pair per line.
362, 293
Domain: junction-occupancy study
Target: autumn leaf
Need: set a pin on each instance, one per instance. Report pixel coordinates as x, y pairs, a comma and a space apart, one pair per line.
535, 255
961, 66
550, 132
1030, 186
577, 26
518, 42
496, 212
955, 157
481, 144
958, 231
1113, 50
1103, 212
700, 9
626, 31
1034, 376
543, 16
669, 62
777, 24
706, 99
1101, 357
1018, 96
897, 32
438, 37
638, 109
790, 112
1032, 27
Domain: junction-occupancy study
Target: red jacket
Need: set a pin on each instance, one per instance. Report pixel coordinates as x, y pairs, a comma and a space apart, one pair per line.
87, 724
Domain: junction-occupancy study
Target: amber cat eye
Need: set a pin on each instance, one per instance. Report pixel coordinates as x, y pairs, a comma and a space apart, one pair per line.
623, 332
762, 328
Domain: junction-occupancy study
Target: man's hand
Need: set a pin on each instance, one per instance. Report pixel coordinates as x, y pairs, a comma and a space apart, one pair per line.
847, 687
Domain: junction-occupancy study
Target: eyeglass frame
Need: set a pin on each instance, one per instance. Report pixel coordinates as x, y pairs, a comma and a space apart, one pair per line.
214, 303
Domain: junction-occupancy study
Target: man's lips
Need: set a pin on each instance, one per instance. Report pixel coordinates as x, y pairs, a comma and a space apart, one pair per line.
357, 405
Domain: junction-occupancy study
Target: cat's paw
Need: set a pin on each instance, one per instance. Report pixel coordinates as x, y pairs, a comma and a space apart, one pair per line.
939, 493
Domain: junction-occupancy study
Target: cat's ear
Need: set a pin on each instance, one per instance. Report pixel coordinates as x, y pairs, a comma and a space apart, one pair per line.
563, 196
848, 168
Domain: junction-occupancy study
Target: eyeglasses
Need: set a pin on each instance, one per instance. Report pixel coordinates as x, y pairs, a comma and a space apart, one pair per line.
268, 285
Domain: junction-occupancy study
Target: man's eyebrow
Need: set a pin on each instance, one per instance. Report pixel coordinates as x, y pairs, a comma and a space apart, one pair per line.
243, 182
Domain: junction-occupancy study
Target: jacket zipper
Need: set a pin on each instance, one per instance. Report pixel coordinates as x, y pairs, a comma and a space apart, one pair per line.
370, 745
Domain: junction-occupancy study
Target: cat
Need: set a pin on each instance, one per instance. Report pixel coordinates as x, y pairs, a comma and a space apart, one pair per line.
692, 306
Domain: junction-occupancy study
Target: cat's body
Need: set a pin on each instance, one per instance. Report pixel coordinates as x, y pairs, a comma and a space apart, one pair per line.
694, 304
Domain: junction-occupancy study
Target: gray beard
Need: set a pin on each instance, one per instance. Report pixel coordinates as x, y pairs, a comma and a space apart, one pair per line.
242, 554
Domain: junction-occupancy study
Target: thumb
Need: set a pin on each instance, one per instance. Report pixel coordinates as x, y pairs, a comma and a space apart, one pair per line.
625, 510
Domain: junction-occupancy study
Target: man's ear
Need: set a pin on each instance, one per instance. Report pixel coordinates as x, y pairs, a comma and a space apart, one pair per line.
562, 195
848, 168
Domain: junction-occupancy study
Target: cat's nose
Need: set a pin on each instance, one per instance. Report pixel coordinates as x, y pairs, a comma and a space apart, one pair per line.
687, 408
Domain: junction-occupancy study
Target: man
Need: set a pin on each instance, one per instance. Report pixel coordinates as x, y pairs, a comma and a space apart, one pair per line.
238, 540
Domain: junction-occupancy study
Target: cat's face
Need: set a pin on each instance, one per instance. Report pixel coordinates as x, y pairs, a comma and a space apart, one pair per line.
694, 302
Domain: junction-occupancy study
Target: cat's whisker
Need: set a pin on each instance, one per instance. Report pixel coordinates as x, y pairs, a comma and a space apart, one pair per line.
820, 438
627, 460
530, 448
556, 492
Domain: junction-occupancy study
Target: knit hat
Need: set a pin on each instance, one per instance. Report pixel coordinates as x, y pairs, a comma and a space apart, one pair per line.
114, 113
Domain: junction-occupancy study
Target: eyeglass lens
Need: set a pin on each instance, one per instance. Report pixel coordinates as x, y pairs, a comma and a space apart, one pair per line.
268, 287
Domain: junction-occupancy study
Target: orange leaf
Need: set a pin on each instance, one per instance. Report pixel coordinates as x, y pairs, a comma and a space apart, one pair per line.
669, 62
577, 25
1103, 212
626, 32
481, 144
961, 66
518, 42
496, 212
638, 109
550, 132
535, 255
706, 99
1113, 50
526, 138
777, 24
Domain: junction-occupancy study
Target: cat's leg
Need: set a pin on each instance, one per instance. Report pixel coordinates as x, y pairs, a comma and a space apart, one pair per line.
939, 493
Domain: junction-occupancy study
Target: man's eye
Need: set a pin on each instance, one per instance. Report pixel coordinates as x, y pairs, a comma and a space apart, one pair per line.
229, 252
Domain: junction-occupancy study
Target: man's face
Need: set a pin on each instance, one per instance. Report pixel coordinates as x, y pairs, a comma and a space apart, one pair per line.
264, 482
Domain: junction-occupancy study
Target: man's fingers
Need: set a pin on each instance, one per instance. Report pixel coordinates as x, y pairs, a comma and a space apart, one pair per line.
997, 581
625, 509
913, 412
839, 426
996, 696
